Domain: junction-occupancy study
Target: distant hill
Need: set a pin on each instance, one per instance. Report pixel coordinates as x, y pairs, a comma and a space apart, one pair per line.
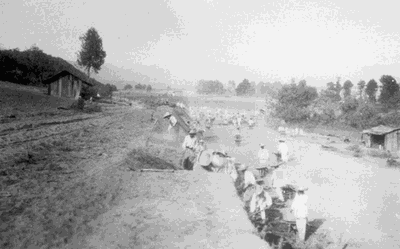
111, 74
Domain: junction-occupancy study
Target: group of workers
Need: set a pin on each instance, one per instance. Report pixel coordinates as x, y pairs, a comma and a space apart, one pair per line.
299, 204
192, 146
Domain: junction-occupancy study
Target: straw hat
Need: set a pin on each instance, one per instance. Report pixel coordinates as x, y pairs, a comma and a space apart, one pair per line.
281, 140
262, 145
192, 131
302, 188
167, 114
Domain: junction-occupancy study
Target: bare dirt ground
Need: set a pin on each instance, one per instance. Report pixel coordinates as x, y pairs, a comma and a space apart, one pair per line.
177, 210
66, 183
57, 174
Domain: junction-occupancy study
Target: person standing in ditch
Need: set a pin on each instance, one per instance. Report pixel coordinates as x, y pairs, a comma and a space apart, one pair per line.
189, 150
300, 212
283, 151
263, 157
171, 119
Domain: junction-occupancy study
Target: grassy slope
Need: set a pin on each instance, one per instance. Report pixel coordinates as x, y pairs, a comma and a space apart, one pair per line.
21, 100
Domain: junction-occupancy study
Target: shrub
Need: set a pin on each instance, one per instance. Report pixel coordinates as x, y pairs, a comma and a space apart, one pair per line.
379, 153
79, 104
93, 108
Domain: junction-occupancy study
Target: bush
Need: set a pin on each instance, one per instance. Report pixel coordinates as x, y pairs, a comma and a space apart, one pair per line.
349, 104
379, 153
93, 108
356, 149
79, 104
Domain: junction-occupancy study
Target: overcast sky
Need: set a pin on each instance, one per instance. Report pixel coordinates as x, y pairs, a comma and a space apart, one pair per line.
187, 40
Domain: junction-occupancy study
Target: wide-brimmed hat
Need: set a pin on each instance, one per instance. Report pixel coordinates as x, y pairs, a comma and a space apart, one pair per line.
167, 114
302, 188
281, 140
262, 145
192, 131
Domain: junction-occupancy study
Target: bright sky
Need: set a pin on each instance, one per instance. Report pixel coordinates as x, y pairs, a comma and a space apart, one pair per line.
181, 41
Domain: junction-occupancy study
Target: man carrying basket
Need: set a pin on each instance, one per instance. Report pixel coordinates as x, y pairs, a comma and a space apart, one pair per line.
189, 150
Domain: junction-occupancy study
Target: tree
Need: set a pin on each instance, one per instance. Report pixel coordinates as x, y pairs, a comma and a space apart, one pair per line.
331, 92
37, 64
245, 88
149, 88
106, 91
347, 85
371, 90
210, 87
128, 87
92, 55
293, 101
338, 87
361, 85
389, 89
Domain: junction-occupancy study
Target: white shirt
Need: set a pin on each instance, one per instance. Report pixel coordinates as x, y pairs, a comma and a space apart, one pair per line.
299, 206
189, 142
173, 121
263, 156
283, 149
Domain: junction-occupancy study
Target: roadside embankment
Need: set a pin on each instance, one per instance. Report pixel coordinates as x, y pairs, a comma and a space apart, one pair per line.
177, 210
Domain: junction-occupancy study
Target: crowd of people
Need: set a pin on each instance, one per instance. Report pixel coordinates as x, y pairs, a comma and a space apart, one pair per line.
193, 145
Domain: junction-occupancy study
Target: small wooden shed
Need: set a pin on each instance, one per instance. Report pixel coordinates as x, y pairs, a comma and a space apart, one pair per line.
65, 84
385, 137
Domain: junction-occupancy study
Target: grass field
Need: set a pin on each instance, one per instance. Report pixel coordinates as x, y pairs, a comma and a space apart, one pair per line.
22, 101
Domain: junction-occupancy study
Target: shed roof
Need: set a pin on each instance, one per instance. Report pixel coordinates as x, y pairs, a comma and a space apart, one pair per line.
380, 130
62, 74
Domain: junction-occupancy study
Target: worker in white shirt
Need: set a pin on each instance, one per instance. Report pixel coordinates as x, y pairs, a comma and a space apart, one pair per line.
201, 145
263, 156
251, 122
283, 150
300, 212
172, 121
189, 150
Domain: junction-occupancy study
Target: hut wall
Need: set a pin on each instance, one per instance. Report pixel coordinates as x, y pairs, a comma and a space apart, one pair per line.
59, 87
398, 140
367, 140
78, 89
391, 141
67, 86
70, 86
65, 83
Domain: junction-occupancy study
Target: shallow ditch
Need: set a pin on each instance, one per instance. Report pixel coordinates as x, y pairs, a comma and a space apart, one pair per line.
278, 232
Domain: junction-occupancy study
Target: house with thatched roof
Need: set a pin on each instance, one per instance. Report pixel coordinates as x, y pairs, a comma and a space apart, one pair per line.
65, 84
384, 137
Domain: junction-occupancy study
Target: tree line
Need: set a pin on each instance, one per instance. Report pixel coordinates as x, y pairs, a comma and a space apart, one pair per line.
139, 86
359, 106
244, 88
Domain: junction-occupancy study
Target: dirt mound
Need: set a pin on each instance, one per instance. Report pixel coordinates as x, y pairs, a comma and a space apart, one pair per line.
177, 210
152, 157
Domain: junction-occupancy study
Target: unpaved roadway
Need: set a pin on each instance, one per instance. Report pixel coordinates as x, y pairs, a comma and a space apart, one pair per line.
358, 198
